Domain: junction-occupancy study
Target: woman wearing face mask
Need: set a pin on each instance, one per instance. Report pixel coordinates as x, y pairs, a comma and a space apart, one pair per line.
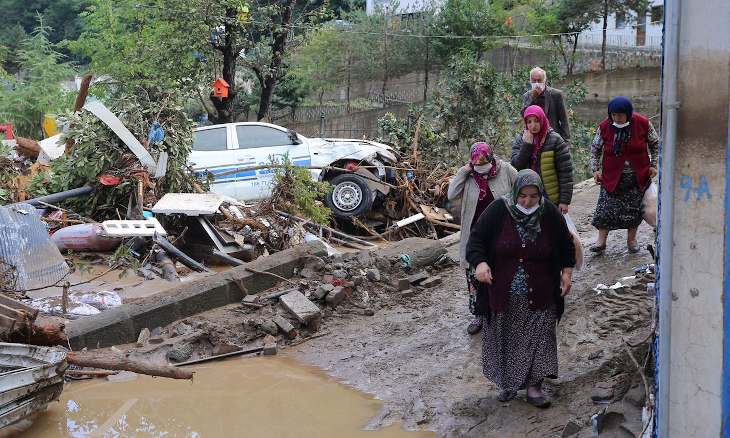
482, 180
543, 150
524, 257
624, 154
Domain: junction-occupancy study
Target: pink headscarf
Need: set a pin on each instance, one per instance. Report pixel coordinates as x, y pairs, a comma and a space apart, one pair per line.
478, 150
539, 138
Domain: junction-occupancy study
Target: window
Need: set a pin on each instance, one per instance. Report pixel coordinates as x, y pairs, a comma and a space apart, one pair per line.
620, 20
253, 136
657, 14
210, 140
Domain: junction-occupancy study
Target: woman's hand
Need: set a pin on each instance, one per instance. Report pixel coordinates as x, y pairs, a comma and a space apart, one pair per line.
467, 167
653, 172
566, 281
598, 177
484, 273
527, 137
563, 208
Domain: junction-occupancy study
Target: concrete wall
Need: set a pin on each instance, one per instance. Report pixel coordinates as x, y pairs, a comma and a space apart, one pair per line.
700, 219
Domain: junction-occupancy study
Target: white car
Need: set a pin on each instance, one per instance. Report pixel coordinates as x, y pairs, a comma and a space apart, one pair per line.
221, 149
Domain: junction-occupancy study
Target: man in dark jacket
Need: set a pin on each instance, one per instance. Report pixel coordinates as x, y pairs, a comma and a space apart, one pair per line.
550, 100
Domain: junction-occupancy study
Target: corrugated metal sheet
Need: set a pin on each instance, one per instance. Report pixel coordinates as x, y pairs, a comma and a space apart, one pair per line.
28, 257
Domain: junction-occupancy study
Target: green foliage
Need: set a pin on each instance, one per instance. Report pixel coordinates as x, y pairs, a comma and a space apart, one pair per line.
39, 90
99, 151
468, 18
297, 193
144, 44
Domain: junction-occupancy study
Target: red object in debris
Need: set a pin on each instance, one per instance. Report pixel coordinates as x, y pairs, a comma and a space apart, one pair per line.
7, 128
109, 180
84, 237
351, 166
220, 88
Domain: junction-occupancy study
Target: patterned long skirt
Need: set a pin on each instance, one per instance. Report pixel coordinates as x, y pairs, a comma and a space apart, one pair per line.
621, 209
519, 345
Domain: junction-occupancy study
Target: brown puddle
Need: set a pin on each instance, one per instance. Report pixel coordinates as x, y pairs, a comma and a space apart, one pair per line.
256, 397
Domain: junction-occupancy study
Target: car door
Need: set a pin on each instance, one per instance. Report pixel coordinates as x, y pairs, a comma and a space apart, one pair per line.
257, 145
213, 152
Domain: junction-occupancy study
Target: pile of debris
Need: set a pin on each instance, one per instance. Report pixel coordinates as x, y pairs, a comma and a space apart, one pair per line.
358, 283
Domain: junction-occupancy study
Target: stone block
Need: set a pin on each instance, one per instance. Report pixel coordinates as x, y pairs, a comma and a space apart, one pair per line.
298, 305
431, 282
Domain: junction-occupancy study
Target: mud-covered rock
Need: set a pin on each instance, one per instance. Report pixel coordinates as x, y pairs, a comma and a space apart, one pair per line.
180, 352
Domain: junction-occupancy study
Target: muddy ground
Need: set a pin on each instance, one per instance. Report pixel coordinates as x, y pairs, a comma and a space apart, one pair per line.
419, 360
414, 354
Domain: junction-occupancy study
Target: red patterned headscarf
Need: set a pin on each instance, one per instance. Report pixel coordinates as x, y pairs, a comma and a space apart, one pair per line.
478, 150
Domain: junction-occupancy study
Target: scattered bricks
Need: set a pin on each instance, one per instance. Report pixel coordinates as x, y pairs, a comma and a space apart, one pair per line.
340, 273
337, 296
431, 282
298, 305
285, 326
373, 274
270, 347
418, 278
250, 299
403, 284
408, 293
144, 336
323, 290
269, 327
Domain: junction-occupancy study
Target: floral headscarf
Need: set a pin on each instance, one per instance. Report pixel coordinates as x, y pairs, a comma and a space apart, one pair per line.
478, 150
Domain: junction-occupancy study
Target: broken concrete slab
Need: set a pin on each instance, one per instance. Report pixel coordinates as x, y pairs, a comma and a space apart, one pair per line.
431, 282
337, 296
418, 278
403, 284
298, 305
285, 326
408, 293
250, 299
270, 347
122, 324
144, 336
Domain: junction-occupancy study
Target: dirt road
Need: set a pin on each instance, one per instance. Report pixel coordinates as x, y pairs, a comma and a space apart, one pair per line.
417, 357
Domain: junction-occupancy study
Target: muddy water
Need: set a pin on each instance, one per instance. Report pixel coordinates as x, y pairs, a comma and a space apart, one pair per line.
251, 397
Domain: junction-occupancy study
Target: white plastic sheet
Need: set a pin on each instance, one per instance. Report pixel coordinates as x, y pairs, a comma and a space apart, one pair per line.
579, 262
649, 204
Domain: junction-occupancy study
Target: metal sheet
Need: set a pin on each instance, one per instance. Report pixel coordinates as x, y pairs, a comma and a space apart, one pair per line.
99, 110
189, 204
28, 257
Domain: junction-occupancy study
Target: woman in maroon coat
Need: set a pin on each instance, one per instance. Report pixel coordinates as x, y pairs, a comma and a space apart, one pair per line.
624, 154
523, 254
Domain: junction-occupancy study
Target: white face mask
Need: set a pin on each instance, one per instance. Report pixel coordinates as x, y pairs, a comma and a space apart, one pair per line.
528, 211
621, 125
537, 85
484, 168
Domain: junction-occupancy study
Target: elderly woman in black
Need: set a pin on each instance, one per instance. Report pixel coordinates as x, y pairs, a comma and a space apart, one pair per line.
524, 256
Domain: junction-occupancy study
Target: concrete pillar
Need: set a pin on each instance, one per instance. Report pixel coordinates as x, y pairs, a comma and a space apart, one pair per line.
698, 322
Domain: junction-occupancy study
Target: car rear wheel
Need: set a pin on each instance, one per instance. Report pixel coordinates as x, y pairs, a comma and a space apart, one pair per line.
350, 196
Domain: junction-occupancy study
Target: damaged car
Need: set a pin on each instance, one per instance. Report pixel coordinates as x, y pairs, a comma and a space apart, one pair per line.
236, 154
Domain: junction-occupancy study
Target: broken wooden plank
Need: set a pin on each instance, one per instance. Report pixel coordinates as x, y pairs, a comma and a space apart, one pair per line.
15, 304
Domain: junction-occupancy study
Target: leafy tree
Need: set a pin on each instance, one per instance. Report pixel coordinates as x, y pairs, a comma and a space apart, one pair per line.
38, 91
468, 18
183, 43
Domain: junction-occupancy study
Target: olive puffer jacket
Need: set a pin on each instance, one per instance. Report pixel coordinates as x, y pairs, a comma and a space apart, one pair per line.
556, 165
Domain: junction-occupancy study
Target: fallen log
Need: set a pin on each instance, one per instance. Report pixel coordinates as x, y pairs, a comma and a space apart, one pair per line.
27, 146
109, 361
90, 373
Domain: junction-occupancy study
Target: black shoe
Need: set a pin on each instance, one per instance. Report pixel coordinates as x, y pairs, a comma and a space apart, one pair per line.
506, 395
539, 402
474, 326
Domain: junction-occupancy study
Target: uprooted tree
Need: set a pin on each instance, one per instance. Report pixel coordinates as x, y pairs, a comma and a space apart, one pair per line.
98, 151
